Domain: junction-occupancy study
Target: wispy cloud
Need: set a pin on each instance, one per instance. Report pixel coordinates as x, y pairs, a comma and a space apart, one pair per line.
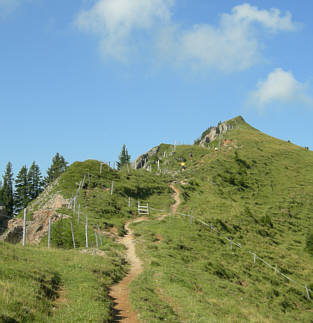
280, 87
116, 21
231, 45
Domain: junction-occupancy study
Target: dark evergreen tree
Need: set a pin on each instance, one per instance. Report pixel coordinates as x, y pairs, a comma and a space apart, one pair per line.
6, 193
124, 158
21, 194
34, 179
57, 167
1, 199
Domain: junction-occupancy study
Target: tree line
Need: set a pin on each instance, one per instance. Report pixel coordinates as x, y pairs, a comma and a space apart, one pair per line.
16, 193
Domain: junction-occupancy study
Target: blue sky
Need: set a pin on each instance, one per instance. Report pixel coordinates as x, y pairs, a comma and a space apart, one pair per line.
84, 77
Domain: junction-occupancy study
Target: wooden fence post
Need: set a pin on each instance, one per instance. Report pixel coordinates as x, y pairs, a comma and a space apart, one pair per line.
231, 243
78, 215
73, 238
49, 232
86, 231
96, 236
112, 187
24, 228
74, 204
100, 238
307, 293
254, 258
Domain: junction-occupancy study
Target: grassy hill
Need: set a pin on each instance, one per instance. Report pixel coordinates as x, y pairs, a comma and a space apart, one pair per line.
254, 189
61, 284
248, 187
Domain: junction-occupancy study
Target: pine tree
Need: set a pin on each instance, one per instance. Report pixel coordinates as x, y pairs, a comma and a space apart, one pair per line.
57, 167
21, 195
124, 158
7, 190
1, 199
34, 179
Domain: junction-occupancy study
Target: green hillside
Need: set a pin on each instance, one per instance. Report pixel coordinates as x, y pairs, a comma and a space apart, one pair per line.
62, 285
244, 186
254, 189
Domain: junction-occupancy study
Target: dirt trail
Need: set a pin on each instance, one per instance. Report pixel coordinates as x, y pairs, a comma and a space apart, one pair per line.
175, 206
123, 311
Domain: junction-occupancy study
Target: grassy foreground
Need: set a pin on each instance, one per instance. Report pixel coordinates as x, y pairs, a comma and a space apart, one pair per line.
192, 276
42, 285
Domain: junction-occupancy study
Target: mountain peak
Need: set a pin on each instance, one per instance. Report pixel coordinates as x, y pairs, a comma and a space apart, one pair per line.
213, 132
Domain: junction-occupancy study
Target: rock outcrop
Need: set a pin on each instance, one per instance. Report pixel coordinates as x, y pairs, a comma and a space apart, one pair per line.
37, 226
141, 161
213, 133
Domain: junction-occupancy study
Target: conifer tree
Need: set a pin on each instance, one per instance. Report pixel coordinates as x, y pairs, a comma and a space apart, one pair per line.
124, 158
57, 167
21, 195
1, 200
6, 193
34, 179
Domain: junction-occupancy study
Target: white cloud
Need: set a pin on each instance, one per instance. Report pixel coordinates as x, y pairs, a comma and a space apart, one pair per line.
271, 19
280, 87
116, 20
232, 45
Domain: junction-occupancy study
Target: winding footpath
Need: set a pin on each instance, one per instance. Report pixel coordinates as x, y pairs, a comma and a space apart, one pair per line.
175, 206
123, 311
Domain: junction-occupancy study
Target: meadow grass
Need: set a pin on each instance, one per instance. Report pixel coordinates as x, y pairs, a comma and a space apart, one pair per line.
254, 189
55, 285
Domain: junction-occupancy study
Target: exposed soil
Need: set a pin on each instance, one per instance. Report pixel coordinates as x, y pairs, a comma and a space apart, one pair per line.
37, 221
123, 311
175, 206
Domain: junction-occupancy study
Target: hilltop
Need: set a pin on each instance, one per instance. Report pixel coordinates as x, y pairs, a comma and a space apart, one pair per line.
253, 189
248, 187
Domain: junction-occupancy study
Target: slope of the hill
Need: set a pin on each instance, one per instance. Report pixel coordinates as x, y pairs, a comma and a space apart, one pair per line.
89, 189
40, 284
256, 191
55, 285
252, 189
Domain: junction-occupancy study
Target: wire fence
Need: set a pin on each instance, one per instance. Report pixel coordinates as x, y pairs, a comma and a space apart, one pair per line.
76, 209
232, 243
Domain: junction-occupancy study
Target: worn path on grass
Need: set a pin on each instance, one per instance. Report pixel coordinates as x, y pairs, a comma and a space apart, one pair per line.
123, 311
175, 206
